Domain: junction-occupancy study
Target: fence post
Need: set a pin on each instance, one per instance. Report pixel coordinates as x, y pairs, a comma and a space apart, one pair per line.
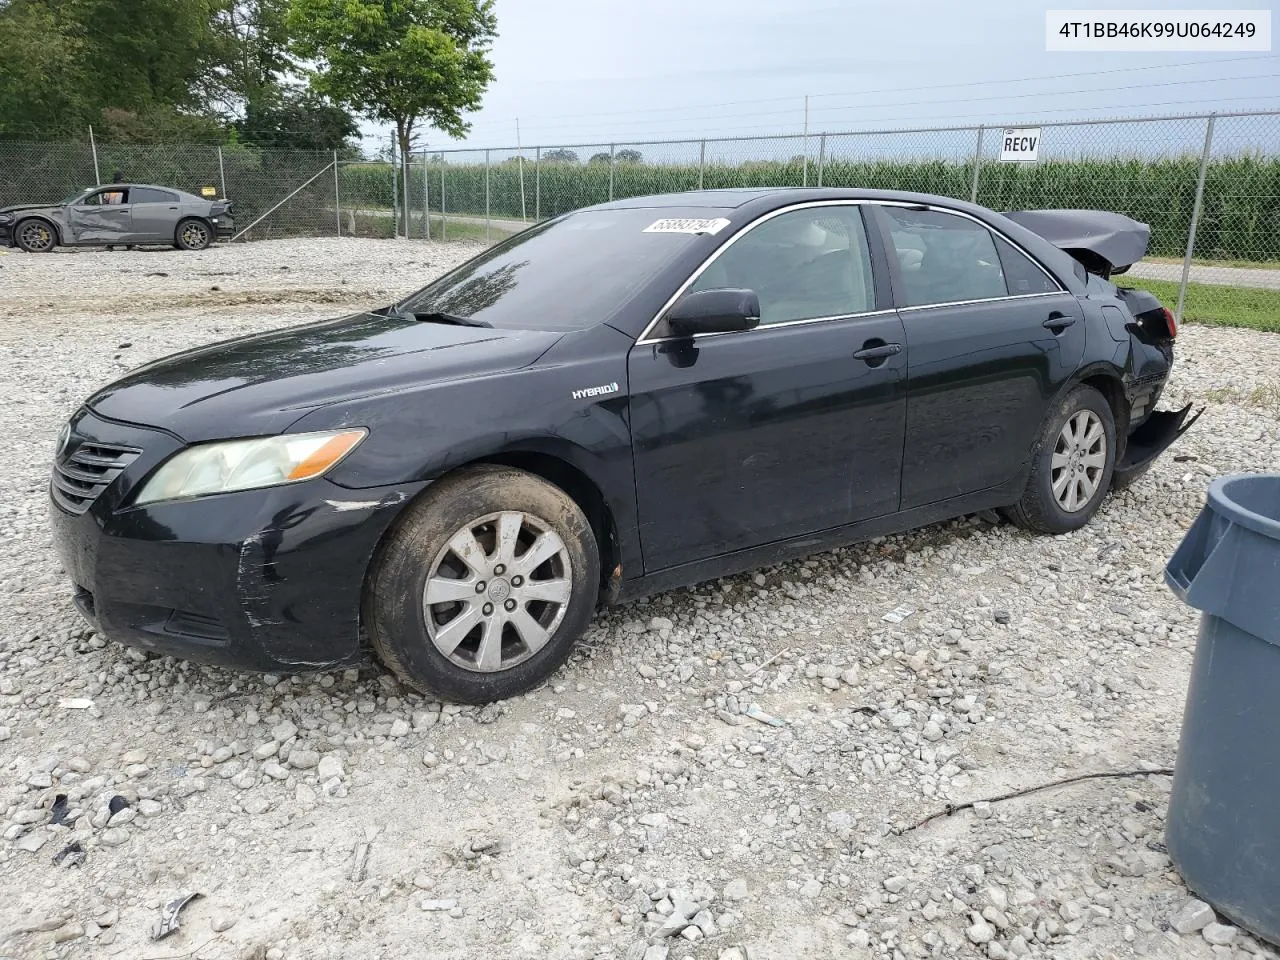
444, 220
537, 184
611, 171
822, 157
395, 191
977, 165
337, 196
93, 146
702, 161
488, 218
426, 195
1195, 216
222, 174
408, 207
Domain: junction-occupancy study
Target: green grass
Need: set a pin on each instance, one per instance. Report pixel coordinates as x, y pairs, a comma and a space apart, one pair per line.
1198, 262
1216, 304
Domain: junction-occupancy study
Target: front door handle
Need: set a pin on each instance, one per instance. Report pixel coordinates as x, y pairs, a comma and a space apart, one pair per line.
877, 353
1058, 322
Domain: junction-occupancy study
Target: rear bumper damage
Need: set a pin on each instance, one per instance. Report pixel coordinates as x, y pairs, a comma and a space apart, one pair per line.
1159, 432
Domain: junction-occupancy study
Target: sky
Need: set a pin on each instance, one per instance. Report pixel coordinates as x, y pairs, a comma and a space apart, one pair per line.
600, 71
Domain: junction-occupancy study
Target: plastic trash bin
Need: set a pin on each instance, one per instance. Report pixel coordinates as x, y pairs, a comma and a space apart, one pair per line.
1223, 830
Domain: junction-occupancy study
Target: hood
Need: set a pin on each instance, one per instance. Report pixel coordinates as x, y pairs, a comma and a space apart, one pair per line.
18, 208
259, 385
1104, 242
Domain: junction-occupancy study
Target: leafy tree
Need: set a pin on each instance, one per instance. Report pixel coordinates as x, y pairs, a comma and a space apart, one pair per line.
629, 156
300, 119
254, 81
144, 53
42, 87
560, 155
399, 61
601, 157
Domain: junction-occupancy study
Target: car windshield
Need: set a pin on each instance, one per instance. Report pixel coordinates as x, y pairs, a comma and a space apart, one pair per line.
567, 274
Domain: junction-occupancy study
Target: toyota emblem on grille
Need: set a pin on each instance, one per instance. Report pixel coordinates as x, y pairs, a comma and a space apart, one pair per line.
64, 436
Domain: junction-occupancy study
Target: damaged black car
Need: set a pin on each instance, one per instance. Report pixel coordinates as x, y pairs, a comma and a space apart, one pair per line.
624, 399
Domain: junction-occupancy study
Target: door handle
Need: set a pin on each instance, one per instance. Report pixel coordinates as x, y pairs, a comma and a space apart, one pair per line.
879, 352
1058, 322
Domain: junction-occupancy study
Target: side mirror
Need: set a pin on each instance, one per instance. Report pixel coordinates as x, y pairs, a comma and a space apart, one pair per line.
714, 311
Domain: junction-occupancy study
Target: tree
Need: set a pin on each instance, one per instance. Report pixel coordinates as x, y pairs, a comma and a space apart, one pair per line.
399, 61
600, 157
629, 156
42, 87
560, 155
255, 81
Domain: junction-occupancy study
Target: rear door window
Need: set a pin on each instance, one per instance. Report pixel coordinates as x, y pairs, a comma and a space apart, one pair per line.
944, 258
149, 195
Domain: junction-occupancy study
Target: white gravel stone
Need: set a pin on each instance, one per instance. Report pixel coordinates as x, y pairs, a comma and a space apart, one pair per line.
1192, 916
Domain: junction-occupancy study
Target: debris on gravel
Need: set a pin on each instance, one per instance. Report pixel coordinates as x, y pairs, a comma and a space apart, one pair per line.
718, 773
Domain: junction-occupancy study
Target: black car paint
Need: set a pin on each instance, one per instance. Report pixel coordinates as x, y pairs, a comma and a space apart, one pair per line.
716, 455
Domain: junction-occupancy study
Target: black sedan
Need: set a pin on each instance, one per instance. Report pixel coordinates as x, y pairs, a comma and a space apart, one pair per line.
118, 214
628, 398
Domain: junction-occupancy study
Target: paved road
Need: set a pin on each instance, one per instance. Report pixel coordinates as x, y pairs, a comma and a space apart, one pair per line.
1226, 276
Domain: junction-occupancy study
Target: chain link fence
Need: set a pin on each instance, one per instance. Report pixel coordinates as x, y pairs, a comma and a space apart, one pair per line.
1209, 186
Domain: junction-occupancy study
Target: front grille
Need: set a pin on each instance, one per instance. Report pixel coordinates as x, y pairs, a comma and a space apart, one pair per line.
80, 478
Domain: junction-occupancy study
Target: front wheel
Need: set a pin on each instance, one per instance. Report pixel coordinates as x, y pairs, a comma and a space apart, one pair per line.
35, 236
1072, 467
193, 235
483, 586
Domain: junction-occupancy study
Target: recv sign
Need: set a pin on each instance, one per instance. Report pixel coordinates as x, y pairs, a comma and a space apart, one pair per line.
1020, 145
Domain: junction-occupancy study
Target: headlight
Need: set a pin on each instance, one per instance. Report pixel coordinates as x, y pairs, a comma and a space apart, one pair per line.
246, 464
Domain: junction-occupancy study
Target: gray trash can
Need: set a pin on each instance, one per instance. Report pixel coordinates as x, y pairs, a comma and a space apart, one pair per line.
1223, 830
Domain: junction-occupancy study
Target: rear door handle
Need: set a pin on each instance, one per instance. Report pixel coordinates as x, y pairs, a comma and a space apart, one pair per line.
880, 352
1058, 322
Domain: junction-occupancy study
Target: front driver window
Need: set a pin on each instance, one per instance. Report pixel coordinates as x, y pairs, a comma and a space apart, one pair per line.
803, 265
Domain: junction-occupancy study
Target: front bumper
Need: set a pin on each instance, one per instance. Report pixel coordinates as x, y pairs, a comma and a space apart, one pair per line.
224, 229
267, 579
6, 235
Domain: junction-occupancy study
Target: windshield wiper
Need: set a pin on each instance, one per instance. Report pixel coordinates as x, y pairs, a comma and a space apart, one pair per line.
435, 316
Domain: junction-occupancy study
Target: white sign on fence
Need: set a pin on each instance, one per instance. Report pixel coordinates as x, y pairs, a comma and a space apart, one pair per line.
1020, 145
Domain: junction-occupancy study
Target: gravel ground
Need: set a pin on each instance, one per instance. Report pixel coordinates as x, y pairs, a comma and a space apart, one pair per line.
340, 816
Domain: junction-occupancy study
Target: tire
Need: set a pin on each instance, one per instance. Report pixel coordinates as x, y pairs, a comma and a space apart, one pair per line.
35, 235
1128, 480
410, 631
193, 234
1049, 504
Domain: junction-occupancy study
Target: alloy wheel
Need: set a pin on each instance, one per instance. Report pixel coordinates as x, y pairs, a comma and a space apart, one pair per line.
1079, 460
497, 591
36, 236
194, 235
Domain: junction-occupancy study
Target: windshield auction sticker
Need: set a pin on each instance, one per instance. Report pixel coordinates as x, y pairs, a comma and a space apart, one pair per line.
687, 225
1138, 31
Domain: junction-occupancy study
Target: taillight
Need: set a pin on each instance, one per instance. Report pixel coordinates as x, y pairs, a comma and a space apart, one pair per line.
1173, 324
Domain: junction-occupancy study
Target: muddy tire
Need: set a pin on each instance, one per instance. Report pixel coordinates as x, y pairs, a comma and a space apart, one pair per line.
193, 234
35, 236
483, 585
1072, 466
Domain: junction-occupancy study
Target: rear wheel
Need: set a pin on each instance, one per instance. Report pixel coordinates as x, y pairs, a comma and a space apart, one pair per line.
193, 235
35, 236
483, 586
1073, 465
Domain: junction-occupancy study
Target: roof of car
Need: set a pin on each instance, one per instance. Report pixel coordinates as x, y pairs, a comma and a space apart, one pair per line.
740, 196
